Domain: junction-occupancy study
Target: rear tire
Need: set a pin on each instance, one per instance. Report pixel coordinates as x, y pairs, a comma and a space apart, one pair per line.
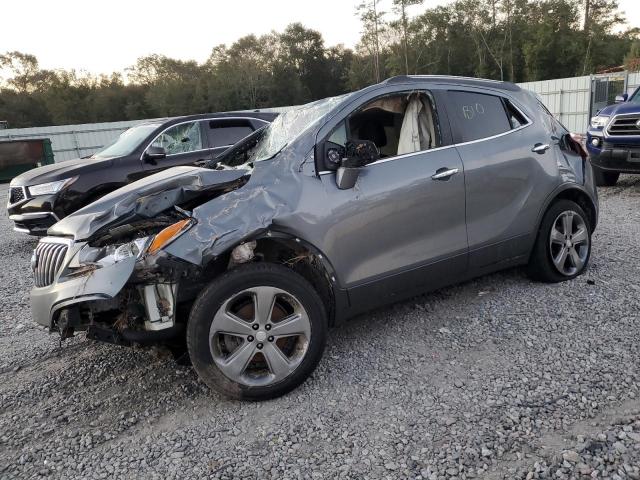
257, 332
563, 246
604, 178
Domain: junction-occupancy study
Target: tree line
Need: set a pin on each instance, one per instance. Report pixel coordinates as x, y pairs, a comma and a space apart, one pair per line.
515, 40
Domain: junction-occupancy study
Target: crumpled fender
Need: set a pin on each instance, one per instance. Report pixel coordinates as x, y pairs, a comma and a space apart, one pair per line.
270, 196
145, 198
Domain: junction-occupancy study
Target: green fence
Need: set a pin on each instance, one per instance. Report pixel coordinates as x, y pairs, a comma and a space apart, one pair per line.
18, 156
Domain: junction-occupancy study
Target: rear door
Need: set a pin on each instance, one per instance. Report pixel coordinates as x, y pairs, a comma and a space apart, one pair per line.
507, 161
223, 132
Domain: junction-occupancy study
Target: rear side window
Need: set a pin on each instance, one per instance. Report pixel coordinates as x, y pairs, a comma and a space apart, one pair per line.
516, 118
477, 115
228, 132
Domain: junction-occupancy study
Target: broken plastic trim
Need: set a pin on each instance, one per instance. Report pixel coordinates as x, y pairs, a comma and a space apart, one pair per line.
160, 305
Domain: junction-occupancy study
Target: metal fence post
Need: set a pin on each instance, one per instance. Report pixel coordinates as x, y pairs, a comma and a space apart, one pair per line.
76, 143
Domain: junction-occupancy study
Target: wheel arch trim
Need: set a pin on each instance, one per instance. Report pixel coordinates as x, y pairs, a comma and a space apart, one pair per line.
561, 192
341, 302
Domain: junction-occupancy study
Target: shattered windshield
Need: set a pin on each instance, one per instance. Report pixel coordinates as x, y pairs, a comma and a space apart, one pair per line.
266, 143
127, 142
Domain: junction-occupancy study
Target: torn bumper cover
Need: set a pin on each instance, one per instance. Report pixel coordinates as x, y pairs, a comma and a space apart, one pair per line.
61, 287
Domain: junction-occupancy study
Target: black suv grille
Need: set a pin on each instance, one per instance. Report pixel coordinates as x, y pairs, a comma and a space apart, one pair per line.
625, 126
16, 195
48, 260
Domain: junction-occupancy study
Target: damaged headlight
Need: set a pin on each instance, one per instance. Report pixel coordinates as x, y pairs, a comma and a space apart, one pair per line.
135, 248
113, 253
91, 258
169, 234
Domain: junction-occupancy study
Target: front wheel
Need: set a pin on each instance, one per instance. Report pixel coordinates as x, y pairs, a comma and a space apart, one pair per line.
563, 247
604, 178
257, 332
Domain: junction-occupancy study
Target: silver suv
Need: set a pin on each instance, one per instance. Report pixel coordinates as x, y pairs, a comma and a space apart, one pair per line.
336, 208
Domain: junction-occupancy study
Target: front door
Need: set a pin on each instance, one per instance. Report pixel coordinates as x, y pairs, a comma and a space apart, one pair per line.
401, 229
183, 143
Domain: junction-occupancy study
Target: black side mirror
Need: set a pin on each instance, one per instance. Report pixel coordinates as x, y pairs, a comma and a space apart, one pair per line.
154, 153
358, 153
622, 98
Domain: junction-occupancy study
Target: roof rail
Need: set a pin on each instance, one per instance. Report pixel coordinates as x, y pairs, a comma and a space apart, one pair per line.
451, 79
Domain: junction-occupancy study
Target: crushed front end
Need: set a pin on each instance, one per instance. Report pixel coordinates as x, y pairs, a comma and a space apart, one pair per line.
105, 269
120, 287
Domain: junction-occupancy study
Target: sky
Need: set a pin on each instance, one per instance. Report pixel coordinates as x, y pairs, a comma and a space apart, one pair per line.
109, 35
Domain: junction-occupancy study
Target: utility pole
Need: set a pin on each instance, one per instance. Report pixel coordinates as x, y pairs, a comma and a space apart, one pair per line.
586, 29
376, 42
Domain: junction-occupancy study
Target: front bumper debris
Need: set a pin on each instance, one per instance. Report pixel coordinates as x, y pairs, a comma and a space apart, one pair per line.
100, 284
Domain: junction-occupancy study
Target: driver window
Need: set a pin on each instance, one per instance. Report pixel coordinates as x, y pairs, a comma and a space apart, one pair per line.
398, 124
182, 138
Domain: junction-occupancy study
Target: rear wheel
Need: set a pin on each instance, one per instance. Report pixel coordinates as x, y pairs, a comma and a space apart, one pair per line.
257, 332
563, 247
604, 178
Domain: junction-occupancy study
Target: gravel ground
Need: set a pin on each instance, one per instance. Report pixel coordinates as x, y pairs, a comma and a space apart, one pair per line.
498, 378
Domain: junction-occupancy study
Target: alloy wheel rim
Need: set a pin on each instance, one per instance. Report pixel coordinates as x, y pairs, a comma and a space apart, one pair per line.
259, 336
569, 243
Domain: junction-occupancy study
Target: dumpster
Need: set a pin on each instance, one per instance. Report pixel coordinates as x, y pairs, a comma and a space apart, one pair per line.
17, 156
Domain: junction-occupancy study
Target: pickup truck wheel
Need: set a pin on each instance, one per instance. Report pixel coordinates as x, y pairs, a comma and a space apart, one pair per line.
604, 178
257, 332
563, 247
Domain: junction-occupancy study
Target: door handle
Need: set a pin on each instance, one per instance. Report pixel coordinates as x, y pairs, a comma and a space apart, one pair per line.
540, 148
444, 173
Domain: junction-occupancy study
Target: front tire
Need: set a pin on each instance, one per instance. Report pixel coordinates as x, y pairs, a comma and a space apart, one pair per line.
257, 332
604, 178
563, 246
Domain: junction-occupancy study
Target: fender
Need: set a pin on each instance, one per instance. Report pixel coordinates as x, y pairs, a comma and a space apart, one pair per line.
340, 294
561, 192
567, 187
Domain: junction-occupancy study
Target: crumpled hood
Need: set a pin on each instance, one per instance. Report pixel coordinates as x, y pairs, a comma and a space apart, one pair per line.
620, 108
145, 198
59, 171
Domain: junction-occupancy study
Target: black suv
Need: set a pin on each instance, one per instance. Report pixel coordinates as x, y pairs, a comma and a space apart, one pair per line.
40, 197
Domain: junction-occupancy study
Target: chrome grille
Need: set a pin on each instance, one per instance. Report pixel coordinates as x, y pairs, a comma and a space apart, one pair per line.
624, 125
48, 259
16, 194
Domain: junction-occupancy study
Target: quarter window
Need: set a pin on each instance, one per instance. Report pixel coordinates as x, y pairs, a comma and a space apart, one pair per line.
339, 134
225, 133
515, 116
478, 115
182, 138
